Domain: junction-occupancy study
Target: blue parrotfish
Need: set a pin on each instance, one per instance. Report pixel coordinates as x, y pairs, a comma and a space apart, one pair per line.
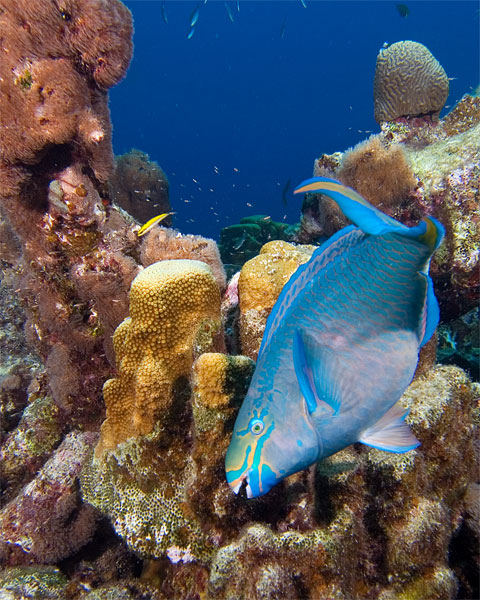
340, 347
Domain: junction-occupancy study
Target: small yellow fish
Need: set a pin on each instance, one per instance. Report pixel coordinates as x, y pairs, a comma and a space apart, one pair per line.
149, 224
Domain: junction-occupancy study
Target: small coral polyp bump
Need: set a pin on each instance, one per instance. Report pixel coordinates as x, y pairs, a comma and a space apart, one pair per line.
97, 136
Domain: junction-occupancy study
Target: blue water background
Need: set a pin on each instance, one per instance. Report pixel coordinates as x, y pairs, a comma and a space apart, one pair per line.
236, 111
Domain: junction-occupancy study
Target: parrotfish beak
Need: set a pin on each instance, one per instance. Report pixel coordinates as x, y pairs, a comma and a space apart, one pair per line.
255, 486
237, 483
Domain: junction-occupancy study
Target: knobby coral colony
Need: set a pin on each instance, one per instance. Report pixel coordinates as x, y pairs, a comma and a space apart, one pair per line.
363, 522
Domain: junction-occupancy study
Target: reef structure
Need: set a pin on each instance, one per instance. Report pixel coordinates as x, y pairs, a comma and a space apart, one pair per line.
139, 186
260, 283
362, 524
174, 313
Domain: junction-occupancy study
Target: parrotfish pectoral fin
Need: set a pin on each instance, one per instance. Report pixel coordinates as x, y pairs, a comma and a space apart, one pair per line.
339, 243
391, 433
315, 375
355, 207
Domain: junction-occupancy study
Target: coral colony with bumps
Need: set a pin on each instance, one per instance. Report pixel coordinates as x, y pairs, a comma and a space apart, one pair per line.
123, 494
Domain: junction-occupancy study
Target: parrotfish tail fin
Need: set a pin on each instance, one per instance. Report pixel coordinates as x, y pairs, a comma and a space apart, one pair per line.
355, 207
372, 221
391, 433
333, 247
430, 232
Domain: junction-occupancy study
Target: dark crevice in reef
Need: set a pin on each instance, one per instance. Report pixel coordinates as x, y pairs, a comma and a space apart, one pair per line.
463, 559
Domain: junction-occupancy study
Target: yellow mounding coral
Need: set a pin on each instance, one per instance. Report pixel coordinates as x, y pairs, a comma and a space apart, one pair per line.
261, 281
174, 316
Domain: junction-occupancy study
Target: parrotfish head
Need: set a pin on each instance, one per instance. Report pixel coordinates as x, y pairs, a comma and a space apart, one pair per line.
268, 444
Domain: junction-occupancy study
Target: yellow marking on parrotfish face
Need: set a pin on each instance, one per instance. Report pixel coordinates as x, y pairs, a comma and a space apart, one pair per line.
149, 224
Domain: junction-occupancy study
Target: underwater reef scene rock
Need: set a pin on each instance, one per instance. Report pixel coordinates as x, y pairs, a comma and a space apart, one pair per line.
122, 495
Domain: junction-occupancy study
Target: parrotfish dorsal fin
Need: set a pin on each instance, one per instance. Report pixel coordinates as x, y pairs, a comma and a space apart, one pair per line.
315, 378
355, 207
333, 247
391, 433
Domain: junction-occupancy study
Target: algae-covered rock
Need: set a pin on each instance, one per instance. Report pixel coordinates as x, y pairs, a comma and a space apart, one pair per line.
381, 523
30, 443
41, 583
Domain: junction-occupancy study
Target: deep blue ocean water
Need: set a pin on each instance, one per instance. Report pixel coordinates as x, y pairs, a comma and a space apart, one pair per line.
242, 107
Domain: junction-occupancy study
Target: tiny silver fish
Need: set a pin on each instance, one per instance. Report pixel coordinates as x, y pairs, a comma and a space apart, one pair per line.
229, 12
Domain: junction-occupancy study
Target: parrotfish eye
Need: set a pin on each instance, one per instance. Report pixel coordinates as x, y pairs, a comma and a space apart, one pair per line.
256, 426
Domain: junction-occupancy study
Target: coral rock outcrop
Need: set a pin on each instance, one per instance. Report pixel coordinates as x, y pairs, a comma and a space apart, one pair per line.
139, 186
165, 492
47, 522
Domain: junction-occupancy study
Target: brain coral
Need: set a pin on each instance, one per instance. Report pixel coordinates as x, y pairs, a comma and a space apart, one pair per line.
408, 81
174, 314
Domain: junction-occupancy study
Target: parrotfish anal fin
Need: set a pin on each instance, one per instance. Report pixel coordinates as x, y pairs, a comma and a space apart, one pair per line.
355, 207
391, 433
333, 247
315, 375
